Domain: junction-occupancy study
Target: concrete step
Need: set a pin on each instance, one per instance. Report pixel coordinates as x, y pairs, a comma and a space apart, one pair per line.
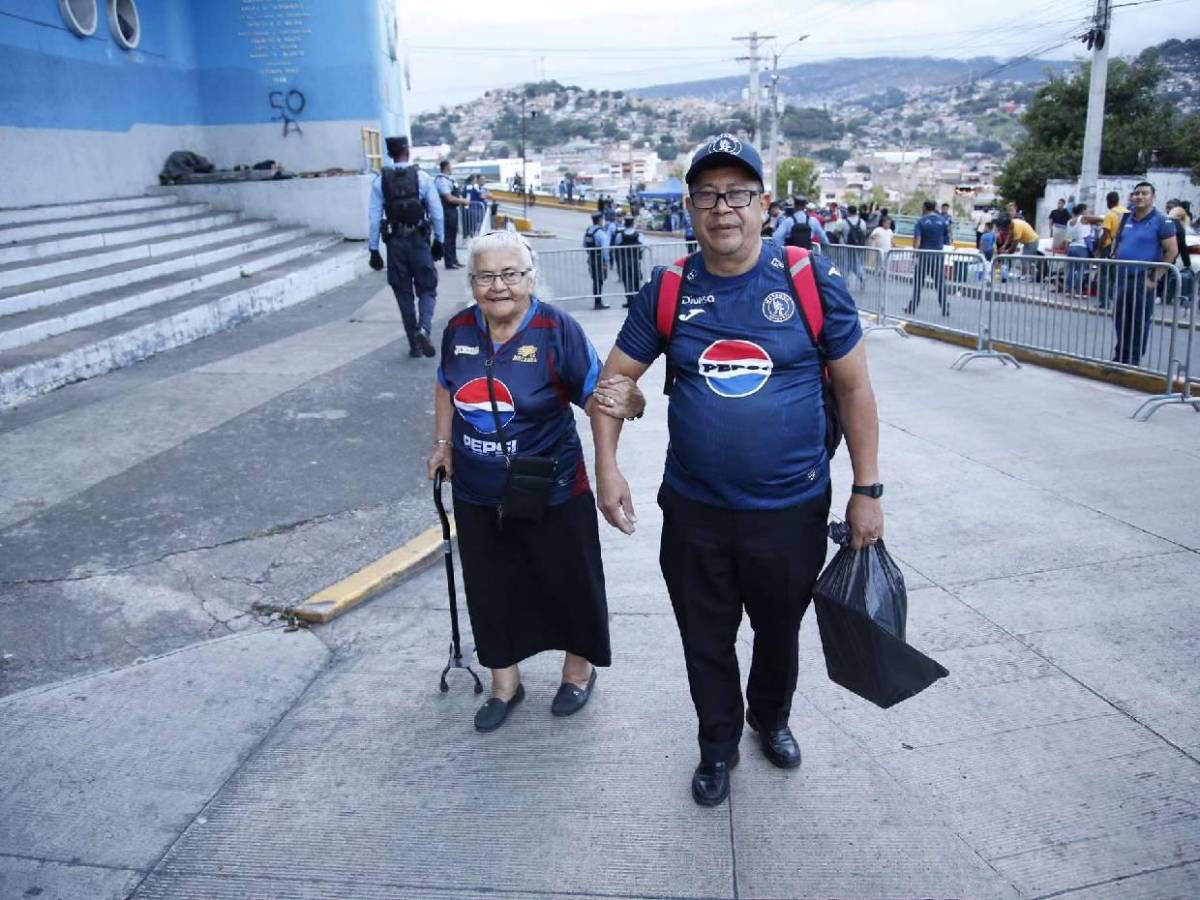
38, 294
40, 248
26, 328
65, 264
26, 231
20, 215
26, 372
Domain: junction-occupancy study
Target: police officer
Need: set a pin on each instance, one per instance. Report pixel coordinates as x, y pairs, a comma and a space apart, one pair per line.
746, 491
931, 232
595, 240
627, 250
452, 201
408, 198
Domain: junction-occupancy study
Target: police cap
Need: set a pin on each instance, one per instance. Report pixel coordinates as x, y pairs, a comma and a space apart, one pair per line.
396, 146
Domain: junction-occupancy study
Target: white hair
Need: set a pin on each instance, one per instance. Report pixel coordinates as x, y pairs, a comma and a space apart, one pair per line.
501, 240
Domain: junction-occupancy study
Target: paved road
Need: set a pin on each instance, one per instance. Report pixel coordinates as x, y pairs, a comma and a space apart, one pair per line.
234, 759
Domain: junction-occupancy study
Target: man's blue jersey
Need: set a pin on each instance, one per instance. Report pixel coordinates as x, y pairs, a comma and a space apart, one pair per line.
746, 417
547, 365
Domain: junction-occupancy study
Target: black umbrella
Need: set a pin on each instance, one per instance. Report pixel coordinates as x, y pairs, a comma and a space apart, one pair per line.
456, 657
862, 606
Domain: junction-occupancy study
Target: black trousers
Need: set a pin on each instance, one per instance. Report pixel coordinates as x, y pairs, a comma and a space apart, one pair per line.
717, 561
929, 266
598, 271
411, 272
450, 245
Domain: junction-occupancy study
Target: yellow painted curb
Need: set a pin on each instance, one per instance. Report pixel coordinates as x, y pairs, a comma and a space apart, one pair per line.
352, 590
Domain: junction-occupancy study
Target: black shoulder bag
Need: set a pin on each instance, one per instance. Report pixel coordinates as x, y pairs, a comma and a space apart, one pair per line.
527, 489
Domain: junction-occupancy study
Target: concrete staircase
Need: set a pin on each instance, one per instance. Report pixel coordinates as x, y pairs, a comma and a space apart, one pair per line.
89, 287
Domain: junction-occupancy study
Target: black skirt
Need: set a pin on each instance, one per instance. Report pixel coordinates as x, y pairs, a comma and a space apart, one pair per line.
534, 586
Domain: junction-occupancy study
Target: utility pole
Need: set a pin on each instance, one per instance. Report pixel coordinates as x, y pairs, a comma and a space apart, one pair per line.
772, 154
1097, 40
753, 39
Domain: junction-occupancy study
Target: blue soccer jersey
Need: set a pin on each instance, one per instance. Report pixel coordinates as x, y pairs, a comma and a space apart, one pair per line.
746, 417
547, 365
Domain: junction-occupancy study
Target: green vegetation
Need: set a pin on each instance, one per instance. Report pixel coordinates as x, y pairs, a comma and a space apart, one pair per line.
801, 172
1137, 123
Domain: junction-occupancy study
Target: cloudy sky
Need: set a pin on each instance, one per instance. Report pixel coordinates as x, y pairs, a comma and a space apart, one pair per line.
457, 51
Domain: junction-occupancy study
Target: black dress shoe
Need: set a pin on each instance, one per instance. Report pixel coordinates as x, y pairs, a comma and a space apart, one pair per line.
414, 351
710, 783
779, 746
425, 345
494, 711
600, 305
570, 698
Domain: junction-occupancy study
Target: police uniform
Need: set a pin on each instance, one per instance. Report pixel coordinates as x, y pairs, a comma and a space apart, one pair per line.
746, 491
531, 586
934, 234
595, 239
446, 187
409, 260
627, 250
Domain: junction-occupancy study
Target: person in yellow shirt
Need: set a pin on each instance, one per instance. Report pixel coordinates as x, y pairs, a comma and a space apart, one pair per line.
1022, 238
1109, 224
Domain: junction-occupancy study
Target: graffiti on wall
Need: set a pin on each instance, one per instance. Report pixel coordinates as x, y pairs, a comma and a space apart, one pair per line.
288, 107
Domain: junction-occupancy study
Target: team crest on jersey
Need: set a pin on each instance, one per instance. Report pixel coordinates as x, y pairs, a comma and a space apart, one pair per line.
778, 307
526, 354
735, 368
472, 402
726, 143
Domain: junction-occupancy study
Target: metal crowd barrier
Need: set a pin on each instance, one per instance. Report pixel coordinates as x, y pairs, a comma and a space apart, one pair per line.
606, 272
863, 269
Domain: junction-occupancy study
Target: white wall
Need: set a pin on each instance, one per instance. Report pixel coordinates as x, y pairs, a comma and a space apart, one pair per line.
336, 204
1168, 184
43, 166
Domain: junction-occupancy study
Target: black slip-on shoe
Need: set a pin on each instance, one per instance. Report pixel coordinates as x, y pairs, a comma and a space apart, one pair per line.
779, 746
414, 351
494, 711
571, 698
425, 345
710, 783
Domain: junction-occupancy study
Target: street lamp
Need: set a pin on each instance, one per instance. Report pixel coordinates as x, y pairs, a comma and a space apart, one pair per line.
774, 137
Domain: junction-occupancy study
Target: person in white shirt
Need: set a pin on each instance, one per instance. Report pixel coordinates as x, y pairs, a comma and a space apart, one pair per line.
1077, 234
881, 237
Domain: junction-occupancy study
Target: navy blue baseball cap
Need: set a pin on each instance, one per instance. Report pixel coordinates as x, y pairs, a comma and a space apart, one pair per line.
725, 150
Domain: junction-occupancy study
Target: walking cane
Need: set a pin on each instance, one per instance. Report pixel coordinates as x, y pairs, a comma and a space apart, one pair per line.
456, 658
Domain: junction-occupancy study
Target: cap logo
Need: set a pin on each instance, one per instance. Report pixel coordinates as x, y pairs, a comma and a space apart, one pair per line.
726, 143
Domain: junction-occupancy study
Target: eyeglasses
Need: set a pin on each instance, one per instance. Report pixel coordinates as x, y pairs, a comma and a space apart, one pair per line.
735, 199
508, 276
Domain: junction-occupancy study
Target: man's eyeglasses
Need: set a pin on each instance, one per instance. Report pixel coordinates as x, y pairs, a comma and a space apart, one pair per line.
508, 276
733, 199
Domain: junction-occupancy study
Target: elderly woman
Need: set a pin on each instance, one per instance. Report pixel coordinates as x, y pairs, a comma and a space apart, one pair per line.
511, 367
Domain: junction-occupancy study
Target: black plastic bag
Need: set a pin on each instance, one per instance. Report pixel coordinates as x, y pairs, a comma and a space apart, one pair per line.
861, 610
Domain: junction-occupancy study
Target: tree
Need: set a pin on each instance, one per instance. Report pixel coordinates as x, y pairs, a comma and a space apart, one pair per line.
834, 155
801, 172
1136, 122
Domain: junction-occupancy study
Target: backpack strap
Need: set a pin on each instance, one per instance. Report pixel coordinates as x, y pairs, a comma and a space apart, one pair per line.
804, 282
670, 286
666, 303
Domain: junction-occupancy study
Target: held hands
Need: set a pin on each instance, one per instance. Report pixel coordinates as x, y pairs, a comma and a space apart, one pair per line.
620, 397
376, 260
864, 515
440, 457
614, 500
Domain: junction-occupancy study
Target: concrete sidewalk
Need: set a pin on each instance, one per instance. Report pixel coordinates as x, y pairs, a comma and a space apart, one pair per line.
1051, 550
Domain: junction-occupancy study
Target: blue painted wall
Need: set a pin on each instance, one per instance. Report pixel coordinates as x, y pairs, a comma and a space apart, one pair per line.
192, 67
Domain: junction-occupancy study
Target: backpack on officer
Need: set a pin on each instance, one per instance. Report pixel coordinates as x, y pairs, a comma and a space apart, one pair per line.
801, 233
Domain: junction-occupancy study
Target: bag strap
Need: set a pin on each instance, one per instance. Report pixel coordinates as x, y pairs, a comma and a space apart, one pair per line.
489, 365
670, 286
804, 285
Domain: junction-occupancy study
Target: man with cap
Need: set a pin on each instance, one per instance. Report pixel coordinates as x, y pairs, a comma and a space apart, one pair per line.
409, 200
451, 202
596, 241
627, 253
799, 219
746, 487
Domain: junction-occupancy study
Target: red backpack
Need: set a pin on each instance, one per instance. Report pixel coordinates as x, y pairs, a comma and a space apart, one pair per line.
807, 294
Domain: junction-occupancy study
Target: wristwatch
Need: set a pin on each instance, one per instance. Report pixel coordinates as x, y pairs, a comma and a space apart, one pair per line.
868, 490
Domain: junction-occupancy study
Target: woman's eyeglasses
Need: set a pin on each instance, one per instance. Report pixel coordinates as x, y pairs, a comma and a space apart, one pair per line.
508, 276
733, 199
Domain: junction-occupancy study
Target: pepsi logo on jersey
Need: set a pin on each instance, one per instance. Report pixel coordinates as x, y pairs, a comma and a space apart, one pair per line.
473, 404
735, 368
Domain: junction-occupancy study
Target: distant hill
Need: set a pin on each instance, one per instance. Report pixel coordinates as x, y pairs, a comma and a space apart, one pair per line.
846, 78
